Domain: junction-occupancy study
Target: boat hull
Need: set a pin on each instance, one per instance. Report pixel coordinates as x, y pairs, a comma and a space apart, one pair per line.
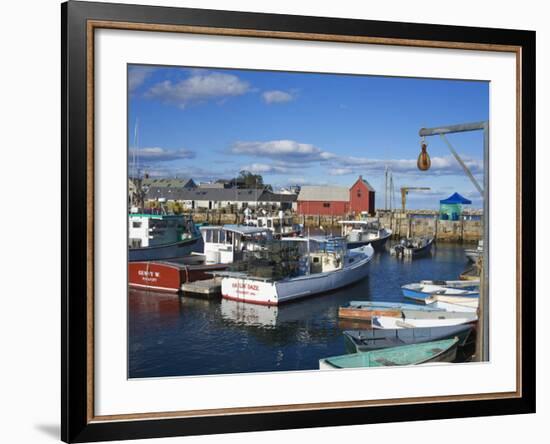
168, 276
366, 310
366, 314
165, 252
387, 322
414, 354
378, 244
411, 252
367, 340
265, 292
419, 295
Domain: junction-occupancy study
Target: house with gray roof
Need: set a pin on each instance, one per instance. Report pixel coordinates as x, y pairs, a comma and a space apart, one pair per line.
220, 198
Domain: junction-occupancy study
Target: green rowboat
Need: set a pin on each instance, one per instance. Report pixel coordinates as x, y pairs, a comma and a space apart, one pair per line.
436, 351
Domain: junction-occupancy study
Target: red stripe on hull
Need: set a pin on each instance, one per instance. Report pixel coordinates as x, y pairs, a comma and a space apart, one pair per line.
153, 288
248, 301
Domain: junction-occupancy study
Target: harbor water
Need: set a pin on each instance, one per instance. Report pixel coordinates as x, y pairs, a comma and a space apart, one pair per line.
183, 336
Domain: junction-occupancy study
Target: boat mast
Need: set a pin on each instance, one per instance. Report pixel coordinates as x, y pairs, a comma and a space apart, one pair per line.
308, 270
386, 188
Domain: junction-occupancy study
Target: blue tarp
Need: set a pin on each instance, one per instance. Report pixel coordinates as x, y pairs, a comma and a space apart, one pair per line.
455, 199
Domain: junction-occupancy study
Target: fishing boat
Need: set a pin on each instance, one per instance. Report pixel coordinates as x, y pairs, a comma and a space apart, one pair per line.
228, 244
161, 236
367, 340
414, 354
389, 322
363, 232
168, 276
281, 225
325, 266
419, 291
473, 254
365, 310
413, 247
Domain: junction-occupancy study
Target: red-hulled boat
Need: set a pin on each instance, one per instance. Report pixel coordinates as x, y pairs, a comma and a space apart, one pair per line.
168, 276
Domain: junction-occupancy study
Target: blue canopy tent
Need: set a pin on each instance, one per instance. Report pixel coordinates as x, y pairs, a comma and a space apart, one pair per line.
451, 208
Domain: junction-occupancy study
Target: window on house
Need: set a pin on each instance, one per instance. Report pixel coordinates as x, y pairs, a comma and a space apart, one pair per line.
326, 204
136, 224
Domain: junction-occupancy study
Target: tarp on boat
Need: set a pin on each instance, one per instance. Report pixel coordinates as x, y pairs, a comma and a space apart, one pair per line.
455, 199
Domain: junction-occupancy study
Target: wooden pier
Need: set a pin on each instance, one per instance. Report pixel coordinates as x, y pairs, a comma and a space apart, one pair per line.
209, 289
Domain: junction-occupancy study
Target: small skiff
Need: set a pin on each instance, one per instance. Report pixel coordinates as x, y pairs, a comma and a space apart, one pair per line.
415, 354
367, 340
458, 300
388, 322
438, 305
365, 310
419, 291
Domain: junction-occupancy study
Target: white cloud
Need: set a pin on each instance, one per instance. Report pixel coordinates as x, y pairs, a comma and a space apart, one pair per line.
157, 154
276, 96
340, 171
272, 168
137, 76
199, 87
440, 166
282, 149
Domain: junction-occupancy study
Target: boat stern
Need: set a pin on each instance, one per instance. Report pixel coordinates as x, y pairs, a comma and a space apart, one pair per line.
250, 290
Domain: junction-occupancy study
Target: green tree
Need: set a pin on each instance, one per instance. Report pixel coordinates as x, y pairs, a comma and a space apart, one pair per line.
246, 179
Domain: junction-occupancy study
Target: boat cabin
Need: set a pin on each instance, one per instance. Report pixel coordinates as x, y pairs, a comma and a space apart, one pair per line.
226, 244
280, 225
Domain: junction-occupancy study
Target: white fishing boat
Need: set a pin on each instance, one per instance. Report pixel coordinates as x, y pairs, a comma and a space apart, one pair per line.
281, 225
227, 244
388, 322
327, 265
363, 232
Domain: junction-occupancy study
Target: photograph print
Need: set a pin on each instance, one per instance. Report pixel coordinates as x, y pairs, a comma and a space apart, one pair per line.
301, 221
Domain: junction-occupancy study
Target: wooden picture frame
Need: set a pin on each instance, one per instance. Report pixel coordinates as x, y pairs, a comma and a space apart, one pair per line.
79, 22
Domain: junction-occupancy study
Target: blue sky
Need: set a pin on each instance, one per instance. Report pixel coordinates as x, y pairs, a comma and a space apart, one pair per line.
304, 128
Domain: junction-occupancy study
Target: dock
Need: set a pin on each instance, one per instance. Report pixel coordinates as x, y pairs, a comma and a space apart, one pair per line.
209, 289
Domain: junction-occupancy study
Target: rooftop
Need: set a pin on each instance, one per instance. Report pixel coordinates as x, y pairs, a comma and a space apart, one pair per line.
218, 194
324, 193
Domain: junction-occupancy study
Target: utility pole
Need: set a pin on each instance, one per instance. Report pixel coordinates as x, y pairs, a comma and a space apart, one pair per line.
482, 344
